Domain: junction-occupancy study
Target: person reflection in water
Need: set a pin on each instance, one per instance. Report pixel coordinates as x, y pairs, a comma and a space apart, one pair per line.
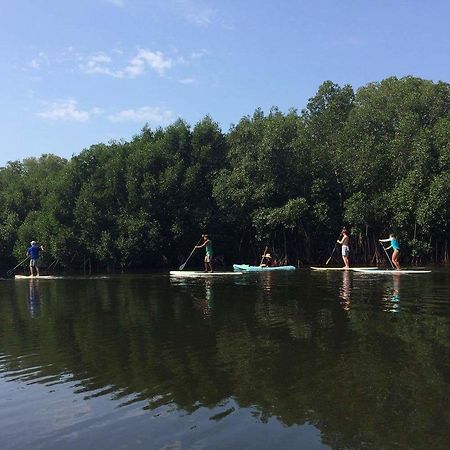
394, 295
345, 290
34, 303
206, 304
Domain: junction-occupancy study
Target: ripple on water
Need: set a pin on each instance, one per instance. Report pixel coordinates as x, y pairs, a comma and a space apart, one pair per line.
218, 364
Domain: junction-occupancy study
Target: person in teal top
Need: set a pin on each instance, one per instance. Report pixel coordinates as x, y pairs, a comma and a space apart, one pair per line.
207, 244
396, 249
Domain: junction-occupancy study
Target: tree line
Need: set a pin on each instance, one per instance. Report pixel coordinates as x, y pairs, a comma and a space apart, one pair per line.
376, 159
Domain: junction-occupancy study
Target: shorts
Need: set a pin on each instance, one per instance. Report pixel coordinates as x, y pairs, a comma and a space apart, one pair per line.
345, 250
34, 262
208, 258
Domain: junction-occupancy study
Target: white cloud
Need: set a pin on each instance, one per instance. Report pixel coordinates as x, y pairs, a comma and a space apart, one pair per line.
101, 64
40, 60
119, 3
156, 60
151, 114
98, 64
188, 81
34, 64
201, 18
67, 110
199, 54
195, 13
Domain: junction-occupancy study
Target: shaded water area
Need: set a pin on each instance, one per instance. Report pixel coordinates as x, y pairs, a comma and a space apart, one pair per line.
297, 360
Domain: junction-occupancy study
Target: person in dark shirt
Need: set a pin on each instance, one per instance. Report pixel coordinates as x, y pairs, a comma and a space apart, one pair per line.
33, 253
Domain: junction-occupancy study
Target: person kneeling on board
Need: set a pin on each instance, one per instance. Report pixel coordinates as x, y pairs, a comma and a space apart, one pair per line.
207, 243
33, 253
266, 260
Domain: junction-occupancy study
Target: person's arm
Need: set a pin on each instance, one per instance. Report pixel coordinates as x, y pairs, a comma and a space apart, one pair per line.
201, 246
340, 241
386, 240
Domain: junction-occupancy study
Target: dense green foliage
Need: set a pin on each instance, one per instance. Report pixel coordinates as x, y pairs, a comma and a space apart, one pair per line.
377, 159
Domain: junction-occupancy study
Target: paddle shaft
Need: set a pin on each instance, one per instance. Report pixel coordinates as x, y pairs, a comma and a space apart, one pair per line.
387, 255
332, 253
10, 271
190, 254
264, 254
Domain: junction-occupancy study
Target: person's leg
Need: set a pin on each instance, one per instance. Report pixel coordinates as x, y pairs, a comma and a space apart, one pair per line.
37, 267
210, 264
395, 259
31, 267
345, 257
206, 263
346, 262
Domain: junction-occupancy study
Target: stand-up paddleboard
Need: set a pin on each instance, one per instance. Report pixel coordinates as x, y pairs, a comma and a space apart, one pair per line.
248, 268
192, 273
343, 268
40, 277
391, 271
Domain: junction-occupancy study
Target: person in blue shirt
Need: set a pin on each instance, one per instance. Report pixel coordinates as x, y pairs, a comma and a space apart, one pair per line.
33, 253
396, 249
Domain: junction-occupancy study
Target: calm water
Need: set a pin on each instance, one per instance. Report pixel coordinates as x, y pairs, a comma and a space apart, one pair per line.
264, 361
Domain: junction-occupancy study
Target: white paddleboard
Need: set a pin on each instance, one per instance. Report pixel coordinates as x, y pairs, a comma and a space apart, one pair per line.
343, 268
391, 271
29, 277
192, 273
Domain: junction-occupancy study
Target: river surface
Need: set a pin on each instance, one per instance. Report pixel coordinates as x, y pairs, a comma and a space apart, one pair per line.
302, 360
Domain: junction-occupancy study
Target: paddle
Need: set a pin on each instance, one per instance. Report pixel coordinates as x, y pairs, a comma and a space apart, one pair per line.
387, 255
10, 271
332, 253
193, 250
264, 254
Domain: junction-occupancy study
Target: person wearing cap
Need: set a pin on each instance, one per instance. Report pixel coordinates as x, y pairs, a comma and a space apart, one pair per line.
266, 260
33, 253
345, 249
207, 244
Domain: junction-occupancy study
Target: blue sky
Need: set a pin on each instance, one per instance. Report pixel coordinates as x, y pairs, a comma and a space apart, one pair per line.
80, 72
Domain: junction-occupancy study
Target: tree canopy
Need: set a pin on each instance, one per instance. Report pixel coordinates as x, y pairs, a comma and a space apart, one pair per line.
377, 160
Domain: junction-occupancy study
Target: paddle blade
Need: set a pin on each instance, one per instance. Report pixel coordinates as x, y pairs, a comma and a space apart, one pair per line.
328, 260
182, 266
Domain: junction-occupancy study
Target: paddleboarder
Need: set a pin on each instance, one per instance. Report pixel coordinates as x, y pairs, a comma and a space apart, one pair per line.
207, 244
345, 249
395, 247
33, 253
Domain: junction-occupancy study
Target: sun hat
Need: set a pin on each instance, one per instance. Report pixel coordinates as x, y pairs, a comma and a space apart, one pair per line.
267, 255
33, 242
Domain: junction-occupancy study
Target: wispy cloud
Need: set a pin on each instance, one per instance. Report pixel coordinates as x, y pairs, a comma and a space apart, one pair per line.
156, 60
119, 3
102, 63
151, 114
67, 110
98, 64
37, 62
195, 13
199, 54
201, 18
188, 81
